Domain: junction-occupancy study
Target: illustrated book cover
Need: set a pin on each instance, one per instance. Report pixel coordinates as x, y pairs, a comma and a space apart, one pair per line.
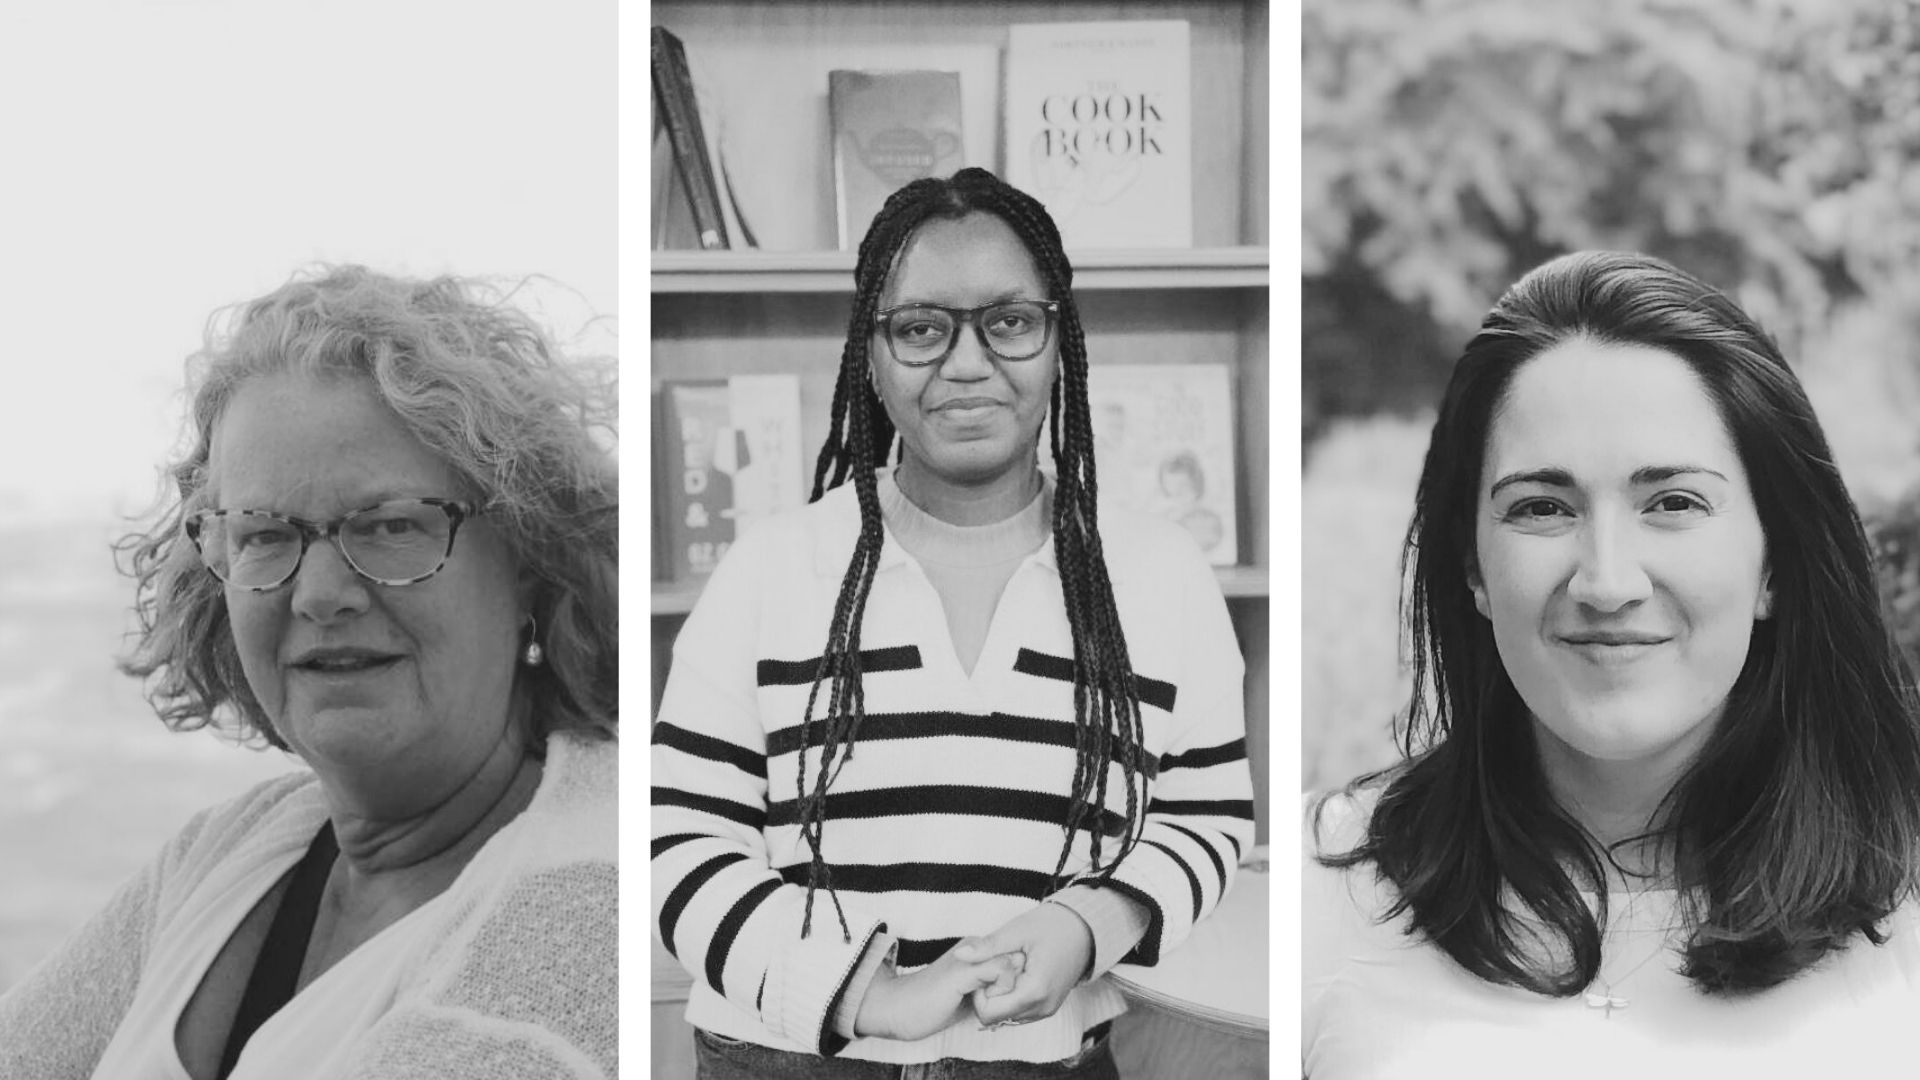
1163, 443
889, 129
731, 457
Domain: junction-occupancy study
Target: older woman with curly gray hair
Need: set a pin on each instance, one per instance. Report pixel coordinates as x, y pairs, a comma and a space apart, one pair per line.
392, 552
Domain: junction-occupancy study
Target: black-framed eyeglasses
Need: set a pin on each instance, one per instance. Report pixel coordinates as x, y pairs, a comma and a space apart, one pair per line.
922, 334
397, 542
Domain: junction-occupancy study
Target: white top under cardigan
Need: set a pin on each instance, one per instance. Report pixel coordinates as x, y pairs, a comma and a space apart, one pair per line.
510, 974
945, 821
1378, 1004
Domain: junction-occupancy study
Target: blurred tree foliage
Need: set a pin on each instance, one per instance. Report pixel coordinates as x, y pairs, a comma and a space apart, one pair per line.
1896, 538
1767, 145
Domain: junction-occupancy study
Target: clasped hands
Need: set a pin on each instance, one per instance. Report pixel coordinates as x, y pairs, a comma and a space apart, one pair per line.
1018, 973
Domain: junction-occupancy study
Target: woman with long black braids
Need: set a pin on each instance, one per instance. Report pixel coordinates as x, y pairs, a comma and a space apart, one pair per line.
939, 749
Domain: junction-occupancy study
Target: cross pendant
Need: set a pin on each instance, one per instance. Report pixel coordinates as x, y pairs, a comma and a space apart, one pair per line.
1607, 1002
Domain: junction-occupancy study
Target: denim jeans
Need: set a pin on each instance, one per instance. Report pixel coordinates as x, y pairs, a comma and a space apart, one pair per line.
719, 1058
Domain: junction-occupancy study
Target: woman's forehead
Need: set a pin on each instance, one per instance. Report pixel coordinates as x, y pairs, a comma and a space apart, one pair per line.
1604, 411
963, 262
311, 446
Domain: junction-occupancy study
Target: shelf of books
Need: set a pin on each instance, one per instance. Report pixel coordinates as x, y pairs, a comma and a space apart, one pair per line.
1170, 440
832, 271
782, 128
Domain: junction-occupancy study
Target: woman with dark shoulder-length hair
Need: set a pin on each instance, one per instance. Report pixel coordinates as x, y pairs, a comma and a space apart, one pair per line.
940, 748
1661, 797
390, 550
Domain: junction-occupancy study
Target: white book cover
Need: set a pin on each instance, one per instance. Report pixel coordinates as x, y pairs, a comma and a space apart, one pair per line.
1163, 445
764, 456
1099, 128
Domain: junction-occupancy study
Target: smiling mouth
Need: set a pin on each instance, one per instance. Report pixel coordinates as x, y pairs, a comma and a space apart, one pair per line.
1612, 641
1609, 650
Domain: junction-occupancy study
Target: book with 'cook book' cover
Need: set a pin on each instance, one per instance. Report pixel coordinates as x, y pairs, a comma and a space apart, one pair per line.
1099, 128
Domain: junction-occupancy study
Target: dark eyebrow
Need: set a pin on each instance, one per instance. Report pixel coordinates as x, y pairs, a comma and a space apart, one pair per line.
1553, 476
1659, 474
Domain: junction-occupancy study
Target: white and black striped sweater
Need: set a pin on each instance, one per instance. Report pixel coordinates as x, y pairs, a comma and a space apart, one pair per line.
946, 820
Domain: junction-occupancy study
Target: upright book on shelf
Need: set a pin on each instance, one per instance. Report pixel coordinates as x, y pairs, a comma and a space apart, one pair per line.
673, 225
674, 97
1163, 444
731, 456
1099, 128
890, 128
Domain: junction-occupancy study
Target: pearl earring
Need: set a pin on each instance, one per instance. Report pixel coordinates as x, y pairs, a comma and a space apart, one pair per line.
534, 655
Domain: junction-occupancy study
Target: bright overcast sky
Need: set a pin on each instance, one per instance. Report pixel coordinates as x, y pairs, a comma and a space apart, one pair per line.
162, 159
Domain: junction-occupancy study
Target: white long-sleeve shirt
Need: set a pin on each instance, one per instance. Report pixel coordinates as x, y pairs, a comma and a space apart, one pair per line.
946, 820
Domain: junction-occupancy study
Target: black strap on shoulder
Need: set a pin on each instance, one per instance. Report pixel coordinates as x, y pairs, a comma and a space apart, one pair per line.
277, 969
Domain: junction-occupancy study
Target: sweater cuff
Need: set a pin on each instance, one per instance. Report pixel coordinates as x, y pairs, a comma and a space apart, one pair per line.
880, 950
1117, 923
806, 981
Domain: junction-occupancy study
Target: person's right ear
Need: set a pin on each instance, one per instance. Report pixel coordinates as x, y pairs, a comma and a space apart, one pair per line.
1478, 586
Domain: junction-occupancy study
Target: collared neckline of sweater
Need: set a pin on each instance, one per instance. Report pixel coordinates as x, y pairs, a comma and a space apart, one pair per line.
931, 540
968, 565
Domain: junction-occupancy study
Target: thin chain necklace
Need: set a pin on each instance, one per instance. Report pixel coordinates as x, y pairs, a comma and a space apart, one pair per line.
1606, 998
